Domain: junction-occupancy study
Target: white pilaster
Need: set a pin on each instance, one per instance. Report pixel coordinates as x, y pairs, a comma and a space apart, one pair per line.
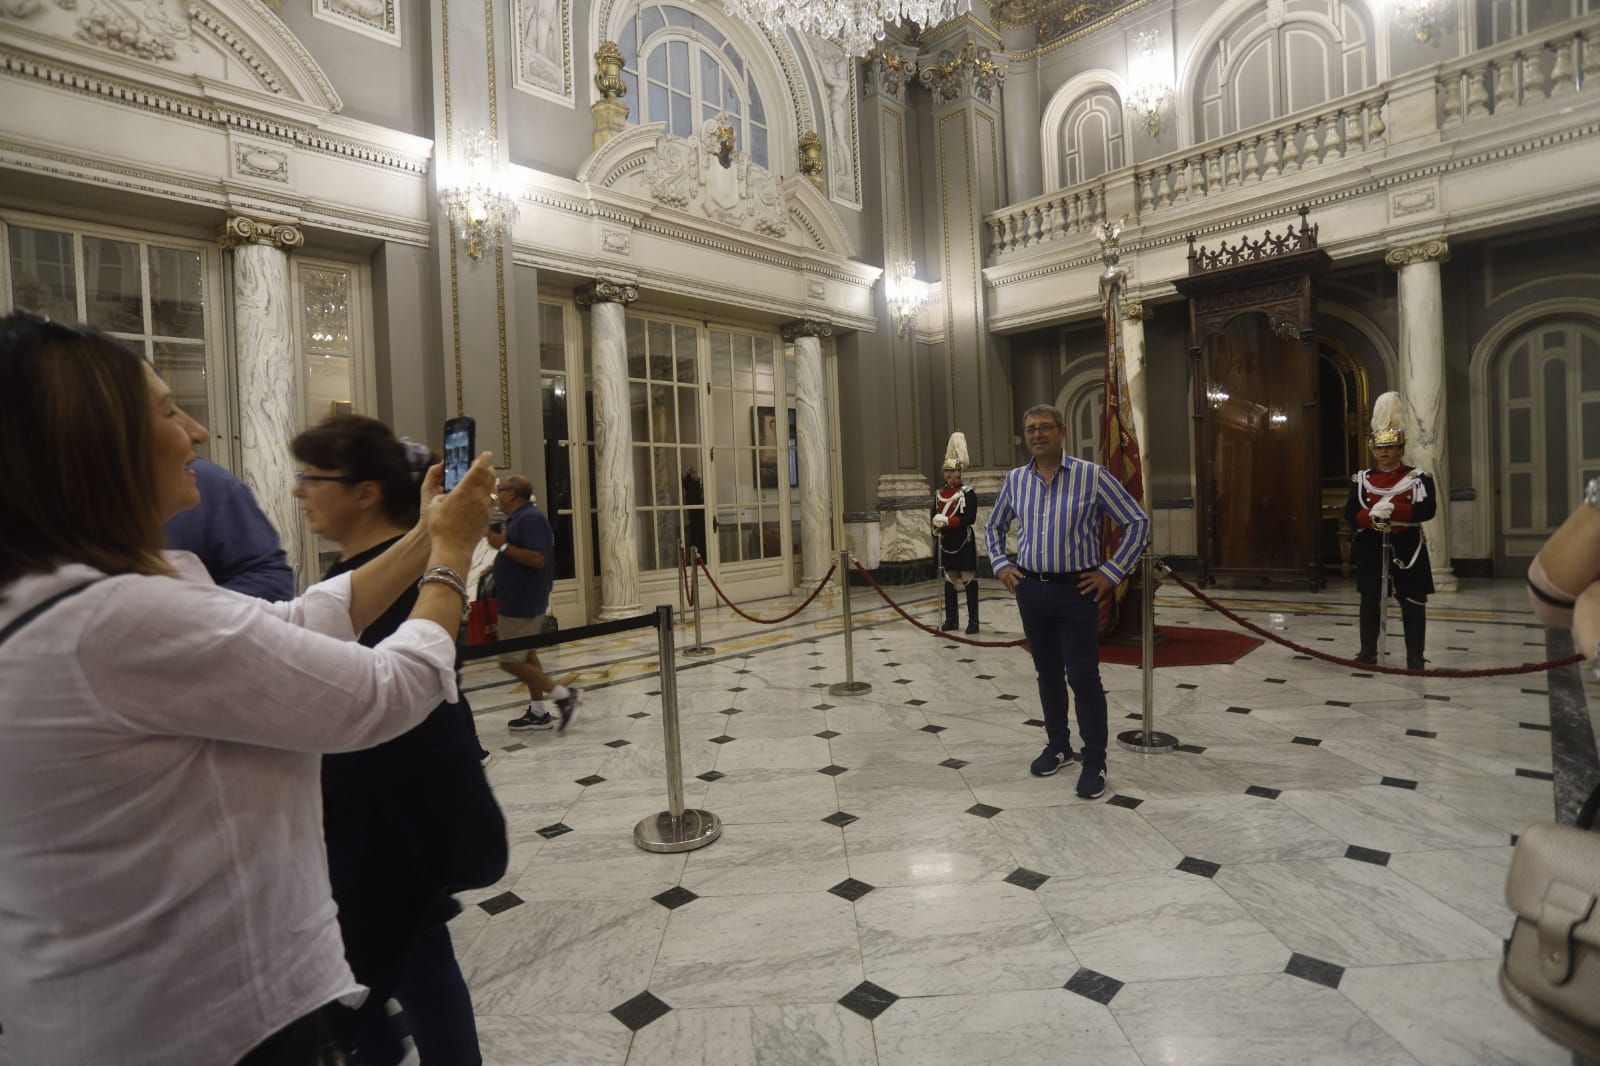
613, 447
268, 387
1422, 384
811, 432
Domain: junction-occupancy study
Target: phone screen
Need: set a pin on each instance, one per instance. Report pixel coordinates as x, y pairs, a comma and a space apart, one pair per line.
458, 445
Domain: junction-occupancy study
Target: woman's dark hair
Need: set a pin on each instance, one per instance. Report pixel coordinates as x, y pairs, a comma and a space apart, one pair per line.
77, 453
367, 450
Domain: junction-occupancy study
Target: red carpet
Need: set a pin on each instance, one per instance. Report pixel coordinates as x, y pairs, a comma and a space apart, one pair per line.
1186, 646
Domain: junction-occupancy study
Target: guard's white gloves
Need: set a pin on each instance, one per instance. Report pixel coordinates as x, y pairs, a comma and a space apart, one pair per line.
1382, 511
940, 521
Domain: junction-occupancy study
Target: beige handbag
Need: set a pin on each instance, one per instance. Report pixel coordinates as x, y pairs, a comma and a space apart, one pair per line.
1551, 968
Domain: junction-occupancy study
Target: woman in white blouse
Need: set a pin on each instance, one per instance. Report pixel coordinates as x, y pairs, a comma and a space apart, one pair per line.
163, 889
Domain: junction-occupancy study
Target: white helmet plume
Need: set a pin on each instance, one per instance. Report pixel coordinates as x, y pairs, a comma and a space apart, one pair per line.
1388, 420
955, 453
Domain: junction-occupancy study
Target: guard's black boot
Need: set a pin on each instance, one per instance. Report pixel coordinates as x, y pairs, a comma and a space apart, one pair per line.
1369, 631
972, 607
1414, 616
951, 622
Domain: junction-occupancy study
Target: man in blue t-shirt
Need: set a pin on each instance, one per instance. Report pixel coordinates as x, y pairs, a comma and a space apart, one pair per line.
232, 537
524, 570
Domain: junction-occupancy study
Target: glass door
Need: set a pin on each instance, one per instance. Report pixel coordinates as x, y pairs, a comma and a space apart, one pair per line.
754, 463
665, 388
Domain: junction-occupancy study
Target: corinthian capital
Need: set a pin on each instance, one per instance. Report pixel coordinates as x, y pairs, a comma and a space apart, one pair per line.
607, 291
241, 230
1432, 250
806, 327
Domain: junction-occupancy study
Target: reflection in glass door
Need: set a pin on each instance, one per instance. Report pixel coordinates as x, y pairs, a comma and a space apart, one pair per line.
753, 449
664, 388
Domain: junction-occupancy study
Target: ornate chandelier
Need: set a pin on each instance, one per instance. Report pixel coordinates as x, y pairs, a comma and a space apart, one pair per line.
1151, 90
855, 23
473, 193
906, 296
1423, 17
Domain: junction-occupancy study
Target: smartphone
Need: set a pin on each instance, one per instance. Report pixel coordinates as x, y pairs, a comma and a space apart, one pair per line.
460, 445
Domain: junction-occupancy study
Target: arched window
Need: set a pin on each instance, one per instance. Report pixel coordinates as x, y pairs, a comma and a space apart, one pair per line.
1083, 422
690, 72
1277, 62
1501, 20
1090, 137
1549, 392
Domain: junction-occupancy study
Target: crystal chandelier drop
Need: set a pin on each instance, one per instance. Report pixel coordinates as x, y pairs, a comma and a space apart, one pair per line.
1423, 17
475, 196
1151, 90
856, 24
906, 296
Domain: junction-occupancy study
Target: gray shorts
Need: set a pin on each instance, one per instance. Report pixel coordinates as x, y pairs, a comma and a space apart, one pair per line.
512, 627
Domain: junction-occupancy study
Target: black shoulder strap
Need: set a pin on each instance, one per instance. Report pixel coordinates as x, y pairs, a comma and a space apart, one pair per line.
40, 608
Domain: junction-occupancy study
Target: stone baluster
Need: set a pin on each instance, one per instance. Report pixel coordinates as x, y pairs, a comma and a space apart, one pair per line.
1561, 73
613, 445
1591, 61
1449, 100
1354, 135
1313, 150
1535, 86
1478, 91
1505, 84
1180, 182
1291, 150
1230, 173
997, 234
1164, 187
1011, 230
1035, 224
1146, 195
1333, 143
1074, 210
1252, 168
1375, 126
1270, 161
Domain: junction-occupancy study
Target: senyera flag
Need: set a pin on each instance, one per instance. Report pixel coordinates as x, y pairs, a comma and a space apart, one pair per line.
1119, 445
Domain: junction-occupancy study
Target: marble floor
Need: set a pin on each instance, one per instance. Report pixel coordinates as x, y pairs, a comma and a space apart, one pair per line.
1316, 877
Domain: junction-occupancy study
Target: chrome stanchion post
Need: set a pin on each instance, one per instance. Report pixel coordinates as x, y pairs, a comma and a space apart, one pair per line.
699, 649
1146, 740
849, 686
1383, 599
674, 829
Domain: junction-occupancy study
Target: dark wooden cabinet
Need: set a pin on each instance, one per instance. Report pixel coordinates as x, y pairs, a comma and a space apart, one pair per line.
1253, 364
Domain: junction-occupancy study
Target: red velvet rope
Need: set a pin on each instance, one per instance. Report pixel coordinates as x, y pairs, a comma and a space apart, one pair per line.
1499, 671
941, 634
768, 621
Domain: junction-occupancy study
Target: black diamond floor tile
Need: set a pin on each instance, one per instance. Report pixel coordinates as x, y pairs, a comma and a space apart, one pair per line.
816, 669
834, 770
984, 677
851, 889
1314, 970
890, 664
1040, 721
1359, 674
827, 734
933, 729
550, 832
1536, 692
737, 688
592, 779
916, 703
983, 810
636, 715
1187, 685
1372, 855
1192, 749
675, 897
1007, 696
840, 819
653, 692
640, 1011
823, 707
1338, 703
1096, 986
1263, 792
966, 662
1425, 733
1537, 775
1023, 877
1130, 802
953, 764
731, 711
514, 747
902, 681
1437, 697
1200, 867
617, 743
1237, 710
503, 902
1541, 727
1276, 680
711, 775
724, 739
1398, 782
1310, 742
868, 1000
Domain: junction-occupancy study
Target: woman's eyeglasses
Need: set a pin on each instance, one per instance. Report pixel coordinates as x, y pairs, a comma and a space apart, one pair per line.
342, 479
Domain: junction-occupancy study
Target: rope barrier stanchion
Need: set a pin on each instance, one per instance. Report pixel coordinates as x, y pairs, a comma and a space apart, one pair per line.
1245, 623
699, 649
723, 596
674, 829
1147, 741
1383, 599
849, 686
866, 575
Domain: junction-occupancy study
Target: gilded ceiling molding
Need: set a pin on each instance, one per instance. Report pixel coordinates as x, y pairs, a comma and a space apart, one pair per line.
240, 230
806, 327
1432, 250
1080, 31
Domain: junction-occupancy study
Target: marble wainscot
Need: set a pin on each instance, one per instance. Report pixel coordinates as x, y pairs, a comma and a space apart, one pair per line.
905, 537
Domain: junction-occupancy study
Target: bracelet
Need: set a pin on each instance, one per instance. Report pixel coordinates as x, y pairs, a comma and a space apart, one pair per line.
448, 572
455, 586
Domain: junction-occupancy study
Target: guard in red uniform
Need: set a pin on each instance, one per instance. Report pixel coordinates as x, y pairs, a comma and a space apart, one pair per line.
1392, 498
955, 514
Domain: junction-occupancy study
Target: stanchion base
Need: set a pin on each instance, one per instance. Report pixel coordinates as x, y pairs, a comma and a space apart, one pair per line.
697, 651
849, 688
664, 833
1152, 744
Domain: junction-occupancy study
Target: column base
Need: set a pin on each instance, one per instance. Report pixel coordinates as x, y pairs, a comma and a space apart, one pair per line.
612, 613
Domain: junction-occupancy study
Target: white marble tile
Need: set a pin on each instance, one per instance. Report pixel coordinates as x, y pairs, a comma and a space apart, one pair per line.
1233, 829
768, 1035
597, 865
1167, 776
859, 750
772, 796
1450, 1014
1045, 1027
1084, 839
1354, 914
755, 859
575, 955
1510, 804
852, 719
1391, 819
883, 788
926, 849
618, 806
1004, 781
1472, 880
741, 950
955, 939
794, 753
1159, 925
539, 1039
1253, 1020
1285, 764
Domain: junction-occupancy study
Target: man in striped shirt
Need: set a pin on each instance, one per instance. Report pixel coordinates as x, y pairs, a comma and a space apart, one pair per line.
1060, 579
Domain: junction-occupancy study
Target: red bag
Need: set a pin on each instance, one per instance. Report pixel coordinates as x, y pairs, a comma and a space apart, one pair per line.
483, 617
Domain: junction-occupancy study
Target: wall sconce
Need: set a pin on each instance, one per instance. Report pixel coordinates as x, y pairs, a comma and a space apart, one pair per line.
1278, 418
474, 195
1151, 87
1217, 396
1422, 17
906, 296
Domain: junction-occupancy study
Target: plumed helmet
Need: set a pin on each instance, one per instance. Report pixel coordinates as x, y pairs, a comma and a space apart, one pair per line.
1388, 420
955, 453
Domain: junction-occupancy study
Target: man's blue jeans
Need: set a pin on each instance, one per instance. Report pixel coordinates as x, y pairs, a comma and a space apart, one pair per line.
1062, 626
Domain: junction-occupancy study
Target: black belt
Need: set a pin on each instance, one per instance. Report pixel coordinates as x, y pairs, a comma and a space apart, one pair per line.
1060, 575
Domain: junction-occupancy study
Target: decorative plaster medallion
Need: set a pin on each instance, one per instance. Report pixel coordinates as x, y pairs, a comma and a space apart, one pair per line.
255, 161
1432, 250
616, 241
377, 19
815, 290
541, 51
1414, 200
703, 176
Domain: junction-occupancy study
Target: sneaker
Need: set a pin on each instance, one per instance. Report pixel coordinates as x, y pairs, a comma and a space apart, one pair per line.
1049, 761
485, 758
1092, 782
530, 720
568, 704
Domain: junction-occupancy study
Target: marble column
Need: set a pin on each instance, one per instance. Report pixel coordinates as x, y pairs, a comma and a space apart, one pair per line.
268, 385
811, 439
1422, 384
1134, 314
613, 446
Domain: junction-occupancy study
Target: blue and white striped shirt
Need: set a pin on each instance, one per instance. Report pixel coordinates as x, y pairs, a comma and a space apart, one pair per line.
1060, 521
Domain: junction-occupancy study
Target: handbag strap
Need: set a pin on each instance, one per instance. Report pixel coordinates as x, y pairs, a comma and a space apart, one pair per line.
41, 607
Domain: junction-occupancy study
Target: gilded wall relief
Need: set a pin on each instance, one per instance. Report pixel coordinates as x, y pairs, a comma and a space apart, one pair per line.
378, 19
541, 51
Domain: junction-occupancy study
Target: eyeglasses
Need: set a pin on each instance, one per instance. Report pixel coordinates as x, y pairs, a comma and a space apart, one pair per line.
1038, 431
343, 479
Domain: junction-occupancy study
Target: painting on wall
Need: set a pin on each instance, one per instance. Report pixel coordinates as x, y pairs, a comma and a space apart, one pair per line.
542, 48
769, 446
378, 19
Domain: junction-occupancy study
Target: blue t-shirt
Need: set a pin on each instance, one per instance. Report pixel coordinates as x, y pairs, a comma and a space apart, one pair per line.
232, 537
524, 591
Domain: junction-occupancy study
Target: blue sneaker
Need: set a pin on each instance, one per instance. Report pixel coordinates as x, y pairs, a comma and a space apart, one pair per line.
1092, 782
568, 704
1049, 761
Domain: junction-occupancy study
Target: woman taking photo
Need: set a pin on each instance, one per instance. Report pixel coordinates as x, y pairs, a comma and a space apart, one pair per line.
162, 874
411, 820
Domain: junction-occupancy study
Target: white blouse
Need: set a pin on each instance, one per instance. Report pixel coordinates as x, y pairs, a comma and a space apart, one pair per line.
163, 886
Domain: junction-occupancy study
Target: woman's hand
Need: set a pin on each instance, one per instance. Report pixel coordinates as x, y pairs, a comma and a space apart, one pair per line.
432, 488
458, 519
